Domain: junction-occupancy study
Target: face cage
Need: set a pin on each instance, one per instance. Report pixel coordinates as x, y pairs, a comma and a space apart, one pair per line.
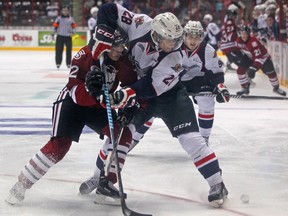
124, 45
178, 41
201, 35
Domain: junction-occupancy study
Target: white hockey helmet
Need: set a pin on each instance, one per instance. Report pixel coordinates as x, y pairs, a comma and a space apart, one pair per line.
232, 7
268, 2
208, 17
94, 10
232, 11
194, 27
270, 9
166, 26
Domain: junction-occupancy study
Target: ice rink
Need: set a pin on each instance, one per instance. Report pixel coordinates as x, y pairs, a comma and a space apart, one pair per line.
249, 137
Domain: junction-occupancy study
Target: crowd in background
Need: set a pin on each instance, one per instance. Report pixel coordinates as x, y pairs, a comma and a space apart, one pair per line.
265, 23
264, 18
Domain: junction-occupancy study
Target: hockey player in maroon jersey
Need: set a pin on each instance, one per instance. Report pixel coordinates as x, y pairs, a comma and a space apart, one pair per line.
76, 106
228, 45
261, 59
157, 57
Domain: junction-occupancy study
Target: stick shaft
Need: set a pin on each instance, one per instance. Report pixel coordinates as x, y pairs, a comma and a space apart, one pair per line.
242, 96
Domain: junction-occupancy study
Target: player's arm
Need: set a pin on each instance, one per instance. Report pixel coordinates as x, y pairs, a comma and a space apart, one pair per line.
144, 88
216, 75
214, 66
78, 82
104, 32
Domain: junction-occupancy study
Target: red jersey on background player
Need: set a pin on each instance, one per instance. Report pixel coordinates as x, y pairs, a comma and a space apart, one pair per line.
261, 59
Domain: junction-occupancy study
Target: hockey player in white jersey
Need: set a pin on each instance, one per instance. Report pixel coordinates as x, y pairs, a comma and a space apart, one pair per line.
204, 74
204, 71
156, 54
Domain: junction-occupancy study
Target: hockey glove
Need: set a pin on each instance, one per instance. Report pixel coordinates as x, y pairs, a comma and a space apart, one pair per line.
251, 72
124, 98
222, 92
93, 82
103, 36
232, 57
126, 115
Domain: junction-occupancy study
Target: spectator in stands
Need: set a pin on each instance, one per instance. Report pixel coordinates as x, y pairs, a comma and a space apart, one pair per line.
65, 27
92, 21
273, 28
212, 31
147, 9
262, 24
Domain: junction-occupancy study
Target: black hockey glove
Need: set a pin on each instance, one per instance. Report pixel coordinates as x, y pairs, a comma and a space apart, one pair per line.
93, 82
222, 92
126, 115
103, 39
251, 72
123, 98
232, 57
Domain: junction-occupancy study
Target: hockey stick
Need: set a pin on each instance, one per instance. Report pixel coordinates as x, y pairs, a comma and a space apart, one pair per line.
241, 96
126, 211
111, 154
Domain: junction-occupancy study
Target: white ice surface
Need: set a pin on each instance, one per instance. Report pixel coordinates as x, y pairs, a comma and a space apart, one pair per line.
249, 137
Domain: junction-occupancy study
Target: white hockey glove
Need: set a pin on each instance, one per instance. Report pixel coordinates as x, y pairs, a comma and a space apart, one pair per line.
222, 92
125, 97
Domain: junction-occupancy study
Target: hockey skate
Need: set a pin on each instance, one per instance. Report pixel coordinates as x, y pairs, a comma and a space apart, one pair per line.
244, 91
17, 194
107, 194
217, 195
89, 185
133, 144
279, 91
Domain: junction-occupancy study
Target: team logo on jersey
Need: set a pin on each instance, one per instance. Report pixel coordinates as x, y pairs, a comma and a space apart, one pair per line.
177, 68
112, 71
220, 63
79, 54
139, 21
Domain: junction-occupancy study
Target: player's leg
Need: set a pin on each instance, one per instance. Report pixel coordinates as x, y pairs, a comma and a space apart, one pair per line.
68, 51
244, 80
182, 123
59, 46
269, 70
206, 107
106, 192
139, 133
65, 129
92, 183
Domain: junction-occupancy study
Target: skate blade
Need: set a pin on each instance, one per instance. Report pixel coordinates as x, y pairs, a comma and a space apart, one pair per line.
106, 200
218, 203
